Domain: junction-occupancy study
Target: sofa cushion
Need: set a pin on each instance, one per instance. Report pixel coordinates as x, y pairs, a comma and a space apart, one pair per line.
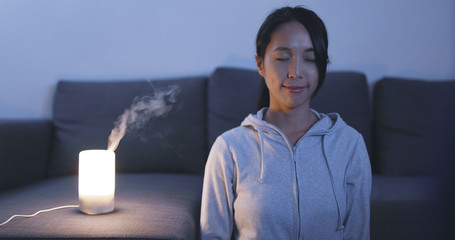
407, 207
414, 131
232, 94
405, 188
24, 151
84, 115
147, 206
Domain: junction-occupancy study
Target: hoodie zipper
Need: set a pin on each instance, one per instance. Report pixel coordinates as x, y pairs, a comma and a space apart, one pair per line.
294, 149
297, 191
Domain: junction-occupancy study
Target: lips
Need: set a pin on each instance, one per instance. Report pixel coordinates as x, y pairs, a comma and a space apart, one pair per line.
294, 89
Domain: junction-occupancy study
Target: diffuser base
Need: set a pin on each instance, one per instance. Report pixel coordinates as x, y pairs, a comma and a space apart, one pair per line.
96, 204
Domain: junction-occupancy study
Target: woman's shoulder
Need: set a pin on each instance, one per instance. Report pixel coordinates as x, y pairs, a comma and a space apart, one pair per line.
238, 139
334, 123
349, 131
237, 133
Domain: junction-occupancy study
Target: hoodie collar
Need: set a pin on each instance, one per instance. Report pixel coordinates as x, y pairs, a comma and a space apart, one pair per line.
326, 124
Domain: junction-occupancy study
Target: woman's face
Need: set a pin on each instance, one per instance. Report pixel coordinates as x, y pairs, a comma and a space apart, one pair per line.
289, 67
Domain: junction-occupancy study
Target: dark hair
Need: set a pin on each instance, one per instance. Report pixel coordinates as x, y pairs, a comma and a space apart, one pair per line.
316, 29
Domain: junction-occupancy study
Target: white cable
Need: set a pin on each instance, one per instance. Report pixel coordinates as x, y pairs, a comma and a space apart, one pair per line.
41, 211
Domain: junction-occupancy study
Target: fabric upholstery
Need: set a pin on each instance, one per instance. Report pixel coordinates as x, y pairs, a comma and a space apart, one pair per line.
85, 112
414, 131
152, 206
24, 151
405, 188
407, 207
400, 219
232, 94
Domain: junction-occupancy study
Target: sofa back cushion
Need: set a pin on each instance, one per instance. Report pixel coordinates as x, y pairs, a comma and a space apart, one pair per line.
414, 131
24, 151
84, 114
234, 93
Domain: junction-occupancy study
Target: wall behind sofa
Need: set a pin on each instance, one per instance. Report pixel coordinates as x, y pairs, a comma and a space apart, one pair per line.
47, 40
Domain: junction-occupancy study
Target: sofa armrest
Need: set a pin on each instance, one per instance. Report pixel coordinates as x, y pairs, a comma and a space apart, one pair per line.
24, 151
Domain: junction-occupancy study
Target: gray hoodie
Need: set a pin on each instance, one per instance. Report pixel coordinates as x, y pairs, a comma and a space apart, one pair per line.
258, 186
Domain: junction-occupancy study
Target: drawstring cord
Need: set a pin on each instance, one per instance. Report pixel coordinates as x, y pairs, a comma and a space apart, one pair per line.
261, 138
340, 225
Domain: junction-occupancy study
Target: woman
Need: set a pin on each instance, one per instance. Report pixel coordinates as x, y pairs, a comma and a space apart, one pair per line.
288, 172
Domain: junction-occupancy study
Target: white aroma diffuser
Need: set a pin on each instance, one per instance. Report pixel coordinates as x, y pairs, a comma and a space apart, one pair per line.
96, 181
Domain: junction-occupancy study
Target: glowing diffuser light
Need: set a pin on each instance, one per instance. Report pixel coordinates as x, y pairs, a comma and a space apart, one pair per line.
96, 181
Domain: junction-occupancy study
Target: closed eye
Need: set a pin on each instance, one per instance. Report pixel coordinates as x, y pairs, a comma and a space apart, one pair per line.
282, 59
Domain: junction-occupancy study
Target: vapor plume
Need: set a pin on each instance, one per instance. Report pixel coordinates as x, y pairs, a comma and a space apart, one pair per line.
141, 111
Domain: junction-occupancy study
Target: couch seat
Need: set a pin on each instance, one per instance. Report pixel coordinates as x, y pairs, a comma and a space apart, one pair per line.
147, 206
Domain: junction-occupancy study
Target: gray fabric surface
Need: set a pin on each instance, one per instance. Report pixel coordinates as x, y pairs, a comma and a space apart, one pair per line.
405, 188
414, 131
152, 206
24, 151
85, 112
232, 94
398, 220
407, 207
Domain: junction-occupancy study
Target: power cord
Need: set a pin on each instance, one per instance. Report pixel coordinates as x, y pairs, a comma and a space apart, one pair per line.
41, 211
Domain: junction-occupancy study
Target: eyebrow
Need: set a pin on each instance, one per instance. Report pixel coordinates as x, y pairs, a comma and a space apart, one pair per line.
288, 49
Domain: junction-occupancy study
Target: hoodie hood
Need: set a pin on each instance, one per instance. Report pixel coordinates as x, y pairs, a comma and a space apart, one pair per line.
327, 124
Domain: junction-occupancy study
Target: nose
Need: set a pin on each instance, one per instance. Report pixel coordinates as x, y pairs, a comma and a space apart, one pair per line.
295, 70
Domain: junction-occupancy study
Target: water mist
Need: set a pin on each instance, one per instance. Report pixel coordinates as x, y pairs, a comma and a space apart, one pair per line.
141, 111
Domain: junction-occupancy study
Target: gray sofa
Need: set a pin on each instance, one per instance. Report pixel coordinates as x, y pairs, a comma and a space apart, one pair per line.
407, 126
